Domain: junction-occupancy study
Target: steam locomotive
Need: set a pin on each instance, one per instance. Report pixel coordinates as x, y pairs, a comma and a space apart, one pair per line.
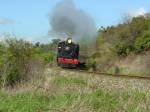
68, 54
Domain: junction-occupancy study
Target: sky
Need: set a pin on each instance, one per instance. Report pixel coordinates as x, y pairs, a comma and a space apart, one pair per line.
29, 18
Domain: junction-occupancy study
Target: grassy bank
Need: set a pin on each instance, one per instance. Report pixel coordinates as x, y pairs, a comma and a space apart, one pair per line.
71, 92
99, 101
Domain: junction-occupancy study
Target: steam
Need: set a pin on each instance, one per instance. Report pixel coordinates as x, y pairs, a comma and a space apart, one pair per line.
67, 20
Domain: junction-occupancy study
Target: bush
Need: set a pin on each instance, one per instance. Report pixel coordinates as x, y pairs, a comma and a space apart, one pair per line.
14, 61
126, 38
46, 57
91, 64
123, 49
143, 43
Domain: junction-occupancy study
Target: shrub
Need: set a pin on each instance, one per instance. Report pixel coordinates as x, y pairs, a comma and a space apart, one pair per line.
123, 49
91, 64
46, 57
126, 37
14, 61
143, 43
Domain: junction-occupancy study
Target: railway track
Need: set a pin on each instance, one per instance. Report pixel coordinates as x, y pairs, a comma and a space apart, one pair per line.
109, 75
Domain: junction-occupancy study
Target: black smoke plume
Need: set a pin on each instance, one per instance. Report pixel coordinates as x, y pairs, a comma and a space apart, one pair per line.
67, 20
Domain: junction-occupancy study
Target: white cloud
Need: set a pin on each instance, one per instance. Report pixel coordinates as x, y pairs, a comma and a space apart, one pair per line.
5, 21
138, 12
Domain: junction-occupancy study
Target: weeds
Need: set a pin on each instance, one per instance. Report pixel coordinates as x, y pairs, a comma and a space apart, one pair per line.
74, 93
16, 61
61, 80
98, 101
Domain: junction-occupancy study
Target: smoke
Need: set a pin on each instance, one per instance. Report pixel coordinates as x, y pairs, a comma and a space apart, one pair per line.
67, 20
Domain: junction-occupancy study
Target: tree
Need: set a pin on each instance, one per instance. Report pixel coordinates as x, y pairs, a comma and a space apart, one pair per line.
143, 43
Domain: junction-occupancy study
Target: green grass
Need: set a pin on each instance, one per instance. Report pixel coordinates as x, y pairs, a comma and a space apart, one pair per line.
45, 56
62, 80
73, 93
33, 102
98, 101
26, 102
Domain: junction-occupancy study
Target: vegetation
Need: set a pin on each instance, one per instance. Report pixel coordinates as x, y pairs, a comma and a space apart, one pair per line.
46, 52
74, 92
98, 101
143, 43
15, 60
128, 37
61, 80
123, 37
118, 43
124, 48
21, 60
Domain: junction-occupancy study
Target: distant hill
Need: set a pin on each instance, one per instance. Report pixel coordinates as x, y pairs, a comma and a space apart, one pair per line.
129, 37
124, 48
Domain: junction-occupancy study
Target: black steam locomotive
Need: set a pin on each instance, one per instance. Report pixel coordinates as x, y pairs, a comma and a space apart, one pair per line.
68, 54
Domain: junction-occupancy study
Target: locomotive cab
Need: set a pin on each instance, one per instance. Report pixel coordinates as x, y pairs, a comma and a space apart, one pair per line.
67, 54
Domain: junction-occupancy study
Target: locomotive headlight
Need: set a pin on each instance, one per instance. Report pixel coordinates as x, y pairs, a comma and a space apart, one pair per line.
69, 41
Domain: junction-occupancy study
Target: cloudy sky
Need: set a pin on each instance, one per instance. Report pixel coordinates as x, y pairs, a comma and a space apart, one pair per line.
29, 18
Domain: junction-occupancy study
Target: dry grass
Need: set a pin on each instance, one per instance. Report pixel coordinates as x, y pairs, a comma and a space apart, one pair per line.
135, 64
63, 91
